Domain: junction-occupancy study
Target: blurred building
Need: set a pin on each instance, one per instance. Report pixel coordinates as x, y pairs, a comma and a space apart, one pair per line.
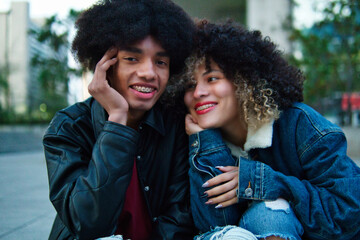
269, 16
16, 50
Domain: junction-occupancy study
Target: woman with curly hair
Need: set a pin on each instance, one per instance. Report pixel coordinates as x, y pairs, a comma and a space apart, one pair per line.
282, 167
117, 161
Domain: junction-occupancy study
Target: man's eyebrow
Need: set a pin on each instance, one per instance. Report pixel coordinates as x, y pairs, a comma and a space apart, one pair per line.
139, 51
162, 54
131, 49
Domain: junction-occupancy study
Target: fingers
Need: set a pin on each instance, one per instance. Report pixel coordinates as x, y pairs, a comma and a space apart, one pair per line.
224, 200
104, 63
191, 125
99, 84
228, 168
232, 173
222, 189
226, 184
227, 203
110, 99
189, 119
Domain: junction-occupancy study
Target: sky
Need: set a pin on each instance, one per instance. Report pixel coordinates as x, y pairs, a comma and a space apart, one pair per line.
47, 8
304, 14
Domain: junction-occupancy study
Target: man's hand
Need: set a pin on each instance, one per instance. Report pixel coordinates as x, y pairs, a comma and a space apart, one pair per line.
111, 100
191, 125
224, 194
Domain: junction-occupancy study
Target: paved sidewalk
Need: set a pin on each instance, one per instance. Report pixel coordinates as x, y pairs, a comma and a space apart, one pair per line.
25, 209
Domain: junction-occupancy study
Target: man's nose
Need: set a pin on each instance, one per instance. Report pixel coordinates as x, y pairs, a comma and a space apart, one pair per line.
147, 70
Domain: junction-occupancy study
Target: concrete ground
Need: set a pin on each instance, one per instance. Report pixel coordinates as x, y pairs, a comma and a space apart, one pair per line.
25, 209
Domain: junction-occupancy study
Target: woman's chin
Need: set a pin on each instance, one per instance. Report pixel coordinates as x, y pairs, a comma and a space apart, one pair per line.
207, 125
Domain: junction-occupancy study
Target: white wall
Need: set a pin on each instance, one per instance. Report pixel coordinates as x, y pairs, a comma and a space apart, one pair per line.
19, 55
268, 16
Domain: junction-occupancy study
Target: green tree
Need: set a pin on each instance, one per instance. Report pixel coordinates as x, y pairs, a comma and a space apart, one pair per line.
330, 51
51, 67
5, 110
215, 9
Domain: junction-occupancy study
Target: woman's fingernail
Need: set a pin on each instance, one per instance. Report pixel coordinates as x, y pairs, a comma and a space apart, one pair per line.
209, 202
219, 166
205, 194
205, 184
219, 206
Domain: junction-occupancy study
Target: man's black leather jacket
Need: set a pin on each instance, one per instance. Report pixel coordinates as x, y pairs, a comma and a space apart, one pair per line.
90, 160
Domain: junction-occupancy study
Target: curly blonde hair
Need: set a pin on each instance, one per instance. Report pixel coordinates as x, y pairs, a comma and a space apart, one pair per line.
256, 102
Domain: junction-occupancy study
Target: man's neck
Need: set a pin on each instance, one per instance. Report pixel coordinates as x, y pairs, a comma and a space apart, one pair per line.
134, 118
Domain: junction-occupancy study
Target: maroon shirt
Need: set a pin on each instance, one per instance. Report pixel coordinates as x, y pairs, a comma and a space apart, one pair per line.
134, 221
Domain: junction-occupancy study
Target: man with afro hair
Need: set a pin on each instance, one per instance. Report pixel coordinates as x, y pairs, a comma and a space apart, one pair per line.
117, 162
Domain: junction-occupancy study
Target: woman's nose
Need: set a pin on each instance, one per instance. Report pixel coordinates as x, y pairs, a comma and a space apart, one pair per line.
201, 90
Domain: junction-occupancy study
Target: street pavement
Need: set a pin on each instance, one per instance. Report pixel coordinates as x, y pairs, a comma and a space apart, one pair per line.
25, 209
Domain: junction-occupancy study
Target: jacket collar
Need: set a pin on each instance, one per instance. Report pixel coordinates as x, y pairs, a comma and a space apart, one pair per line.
260, 137
152, 118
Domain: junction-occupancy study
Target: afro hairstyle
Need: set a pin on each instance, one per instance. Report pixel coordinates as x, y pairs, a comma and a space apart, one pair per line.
121, 23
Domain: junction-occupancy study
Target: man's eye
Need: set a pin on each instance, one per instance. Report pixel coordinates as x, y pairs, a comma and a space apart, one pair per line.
130, 59
164, 63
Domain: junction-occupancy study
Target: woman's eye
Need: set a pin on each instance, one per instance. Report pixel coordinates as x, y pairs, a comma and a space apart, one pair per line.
190, 86
210, 79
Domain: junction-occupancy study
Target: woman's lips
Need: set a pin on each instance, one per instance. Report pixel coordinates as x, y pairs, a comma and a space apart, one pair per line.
205, 107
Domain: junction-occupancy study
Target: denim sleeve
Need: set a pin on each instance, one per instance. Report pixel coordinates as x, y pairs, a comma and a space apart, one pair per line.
326, 201
207, 150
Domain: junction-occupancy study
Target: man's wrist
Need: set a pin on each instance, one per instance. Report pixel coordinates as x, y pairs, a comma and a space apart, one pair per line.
120, 118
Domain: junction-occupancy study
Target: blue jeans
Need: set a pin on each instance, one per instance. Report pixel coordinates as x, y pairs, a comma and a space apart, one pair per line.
261, 220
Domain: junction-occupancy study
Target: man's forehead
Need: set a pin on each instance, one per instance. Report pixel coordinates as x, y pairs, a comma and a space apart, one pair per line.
139, 50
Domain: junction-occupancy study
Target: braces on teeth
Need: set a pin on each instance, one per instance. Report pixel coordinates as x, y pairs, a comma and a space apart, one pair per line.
143, 89
204, 107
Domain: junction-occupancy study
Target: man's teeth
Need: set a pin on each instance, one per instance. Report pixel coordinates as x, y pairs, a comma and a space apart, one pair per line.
143, 89
204, 107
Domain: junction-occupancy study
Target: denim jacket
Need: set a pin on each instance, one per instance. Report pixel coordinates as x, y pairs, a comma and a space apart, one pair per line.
306, 164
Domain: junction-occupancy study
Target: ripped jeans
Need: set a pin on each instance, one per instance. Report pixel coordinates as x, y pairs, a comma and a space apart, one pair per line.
260, 220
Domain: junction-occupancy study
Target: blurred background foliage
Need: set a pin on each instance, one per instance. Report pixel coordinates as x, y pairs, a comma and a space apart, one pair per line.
54, 72
328, 53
